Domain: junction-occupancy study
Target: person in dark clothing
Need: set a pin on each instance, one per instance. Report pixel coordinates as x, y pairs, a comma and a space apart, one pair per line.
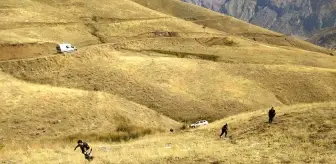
271, 115
224, 130
85, 148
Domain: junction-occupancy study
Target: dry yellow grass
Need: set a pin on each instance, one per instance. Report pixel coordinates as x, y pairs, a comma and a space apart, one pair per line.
214, 20
184, 88
87, 23
31, 111
300, 134
199, 15
143, 66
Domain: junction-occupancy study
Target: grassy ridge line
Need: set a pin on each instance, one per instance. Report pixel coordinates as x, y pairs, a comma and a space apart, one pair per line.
192, 12
280, 110
241, 51
85, 13
121, 30
41, 111
116, 44
228, 24
230, 88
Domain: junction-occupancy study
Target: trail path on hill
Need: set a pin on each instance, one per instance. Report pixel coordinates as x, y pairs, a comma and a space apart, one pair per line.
102, 20
139, 37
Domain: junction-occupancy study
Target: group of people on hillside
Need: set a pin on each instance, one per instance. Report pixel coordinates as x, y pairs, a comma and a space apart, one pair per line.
271, 115
87, 151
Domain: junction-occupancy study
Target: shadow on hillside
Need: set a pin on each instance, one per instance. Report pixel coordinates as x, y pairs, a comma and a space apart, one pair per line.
122, 133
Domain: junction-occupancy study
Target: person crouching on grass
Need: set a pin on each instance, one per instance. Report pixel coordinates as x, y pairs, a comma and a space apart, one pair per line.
86, 150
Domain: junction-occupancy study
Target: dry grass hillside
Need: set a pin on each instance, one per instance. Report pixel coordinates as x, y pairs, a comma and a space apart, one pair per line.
30, 111
302, 133
38, 23
79, 22
186, 88
143, 67
214, 20
203, 16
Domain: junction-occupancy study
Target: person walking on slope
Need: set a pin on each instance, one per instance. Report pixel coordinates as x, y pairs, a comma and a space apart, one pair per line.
86, 150
224, 130
271, 115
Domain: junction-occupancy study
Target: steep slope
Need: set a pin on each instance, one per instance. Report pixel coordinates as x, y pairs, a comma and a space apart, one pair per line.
35, 32
300, 17
325, 37
204, 17
31, 112
36, 26
230, 25
185, 83
301, 133
144, 65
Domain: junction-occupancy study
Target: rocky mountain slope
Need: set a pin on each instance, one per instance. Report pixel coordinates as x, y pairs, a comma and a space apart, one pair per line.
299, 17
326, 37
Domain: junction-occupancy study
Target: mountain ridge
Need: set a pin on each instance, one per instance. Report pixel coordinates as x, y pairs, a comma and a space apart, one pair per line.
302, 18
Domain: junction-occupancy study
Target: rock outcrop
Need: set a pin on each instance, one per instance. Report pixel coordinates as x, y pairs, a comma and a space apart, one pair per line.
325, 37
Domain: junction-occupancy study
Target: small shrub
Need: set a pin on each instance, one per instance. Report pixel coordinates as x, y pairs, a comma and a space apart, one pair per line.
125, 128
184, 127
229, 42
215, 162
147, 131
2, 146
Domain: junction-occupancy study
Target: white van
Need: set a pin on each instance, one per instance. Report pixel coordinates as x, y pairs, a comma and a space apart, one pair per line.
65, 47
199, 123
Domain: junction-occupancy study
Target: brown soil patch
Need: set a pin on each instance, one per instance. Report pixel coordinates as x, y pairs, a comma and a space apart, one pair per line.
27, 50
